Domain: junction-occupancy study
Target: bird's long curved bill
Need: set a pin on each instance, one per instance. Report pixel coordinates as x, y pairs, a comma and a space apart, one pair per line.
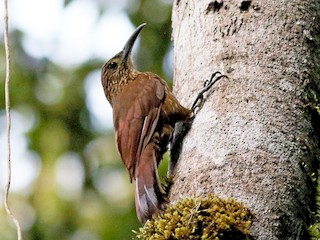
129, 44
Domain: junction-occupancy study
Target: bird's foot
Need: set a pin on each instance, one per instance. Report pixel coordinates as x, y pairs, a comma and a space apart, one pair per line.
182, 128
197, 104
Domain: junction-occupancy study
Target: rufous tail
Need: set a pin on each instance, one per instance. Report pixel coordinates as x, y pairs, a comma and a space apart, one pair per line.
148, 194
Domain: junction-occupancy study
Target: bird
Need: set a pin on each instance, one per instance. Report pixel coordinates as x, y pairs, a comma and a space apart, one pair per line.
145, 112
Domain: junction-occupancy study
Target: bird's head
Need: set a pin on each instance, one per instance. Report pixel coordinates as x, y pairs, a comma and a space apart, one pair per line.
116, 71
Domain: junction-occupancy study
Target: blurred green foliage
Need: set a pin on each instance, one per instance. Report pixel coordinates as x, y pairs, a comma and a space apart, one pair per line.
54, 97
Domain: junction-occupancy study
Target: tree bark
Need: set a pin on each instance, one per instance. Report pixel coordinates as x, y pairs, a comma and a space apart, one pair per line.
254, 139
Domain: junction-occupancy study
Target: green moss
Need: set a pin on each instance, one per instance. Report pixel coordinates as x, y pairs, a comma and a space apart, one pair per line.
200, 218
311, 98
314, 229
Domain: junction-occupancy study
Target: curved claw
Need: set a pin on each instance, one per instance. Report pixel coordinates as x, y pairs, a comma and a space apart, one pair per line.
212, 76
207, 85
206, 82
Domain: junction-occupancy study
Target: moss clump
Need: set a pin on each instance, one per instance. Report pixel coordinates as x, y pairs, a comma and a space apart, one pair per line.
312, 99
200, 218
314, 229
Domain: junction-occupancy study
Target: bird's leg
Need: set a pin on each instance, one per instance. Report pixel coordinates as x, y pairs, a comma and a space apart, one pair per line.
182, 128
180, 131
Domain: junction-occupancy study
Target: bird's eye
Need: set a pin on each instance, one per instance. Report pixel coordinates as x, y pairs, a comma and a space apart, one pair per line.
112, 65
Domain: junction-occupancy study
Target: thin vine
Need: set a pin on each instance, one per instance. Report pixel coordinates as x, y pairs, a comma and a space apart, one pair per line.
8, 114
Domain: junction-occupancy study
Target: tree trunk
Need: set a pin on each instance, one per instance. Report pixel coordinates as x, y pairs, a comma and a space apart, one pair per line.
254, 139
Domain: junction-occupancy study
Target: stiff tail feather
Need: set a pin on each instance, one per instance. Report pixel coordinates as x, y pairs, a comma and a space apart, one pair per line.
148, 194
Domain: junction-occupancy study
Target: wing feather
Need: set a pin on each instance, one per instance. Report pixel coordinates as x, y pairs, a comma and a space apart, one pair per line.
136, 118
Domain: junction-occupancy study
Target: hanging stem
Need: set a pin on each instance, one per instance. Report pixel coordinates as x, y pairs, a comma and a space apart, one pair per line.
7, 103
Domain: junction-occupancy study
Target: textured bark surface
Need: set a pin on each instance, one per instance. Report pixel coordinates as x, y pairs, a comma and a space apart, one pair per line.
254, 139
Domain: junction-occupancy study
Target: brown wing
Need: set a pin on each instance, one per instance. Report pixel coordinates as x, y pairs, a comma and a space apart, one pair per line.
136, 113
